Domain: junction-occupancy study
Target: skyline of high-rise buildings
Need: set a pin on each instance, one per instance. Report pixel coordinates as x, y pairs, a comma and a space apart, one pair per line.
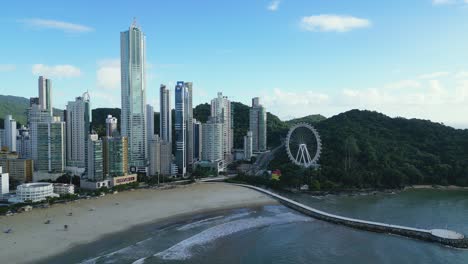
133, 95
136, 148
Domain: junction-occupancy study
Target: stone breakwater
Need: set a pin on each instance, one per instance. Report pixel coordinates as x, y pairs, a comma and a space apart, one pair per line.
441, 236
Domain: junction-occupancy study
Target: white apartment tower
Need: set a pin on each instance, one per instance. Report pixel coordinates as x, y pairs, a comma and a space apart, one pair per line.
212, 141
78, 129
9, 133
221, 112
133, 95
45, 94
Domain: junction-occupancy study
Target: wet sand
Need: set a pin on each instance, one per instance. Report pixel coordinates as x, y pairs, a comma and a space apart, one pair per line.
93, 219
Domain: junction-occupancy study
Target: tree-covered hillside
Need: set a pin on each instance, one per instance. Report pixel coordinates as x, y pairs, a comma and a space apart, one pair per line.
369, 149
98, 120
15, 106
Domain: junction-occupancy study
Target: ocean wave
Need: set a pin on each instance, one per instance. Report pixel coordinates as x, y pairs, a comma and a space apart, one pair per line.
140, 261
199, 223
182, 250
128, 251
212, 220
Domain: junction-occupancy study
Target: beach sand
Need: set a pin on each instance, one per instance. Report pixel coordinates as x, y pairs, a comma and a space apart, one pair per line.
95, 218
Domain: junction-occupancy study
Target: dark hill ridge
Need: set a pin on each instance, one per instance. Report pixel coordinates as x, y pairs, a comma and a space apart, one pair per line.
369, 149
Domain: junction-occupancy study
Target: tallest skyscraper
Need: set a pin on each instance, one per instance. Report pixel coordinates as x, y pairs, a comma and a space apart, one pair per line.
133, 78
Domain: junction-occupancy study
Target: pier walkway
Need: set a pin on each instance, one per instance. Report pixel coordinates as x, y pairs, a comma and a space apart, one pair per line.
441, 236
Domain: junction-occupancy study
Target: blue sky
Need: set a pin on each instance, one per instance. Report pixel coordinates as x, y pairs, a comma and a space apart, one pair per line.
399, 57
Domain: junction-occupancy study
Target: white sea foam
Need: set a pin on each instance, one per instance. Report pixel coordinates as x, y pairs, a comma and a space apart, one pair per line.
140, 261
182, 250
212, 220
198, 223
276, 209
126, 251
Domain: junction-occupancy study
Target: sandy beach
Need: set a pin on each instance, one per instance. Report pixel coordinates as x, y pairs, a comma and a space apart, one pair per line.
92, 219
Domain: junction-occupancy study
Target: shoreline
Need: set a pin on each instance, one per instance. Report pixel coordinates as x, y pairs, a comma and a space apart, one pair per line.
138, 233
96, 219
436, 187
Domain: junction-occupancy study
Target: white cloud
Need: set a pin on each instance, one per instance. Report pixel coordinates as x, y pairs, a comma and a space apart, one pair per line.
108, 74
274, 5
462, 74
336, 23
294, 104
434, 75
443, 2
440, 100
55, 24
56, 71
403, 84
448, 2
7, 67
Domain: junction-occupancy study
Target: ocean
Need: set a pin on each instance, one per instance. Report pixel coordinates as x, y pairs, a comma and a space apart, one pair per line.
276, 234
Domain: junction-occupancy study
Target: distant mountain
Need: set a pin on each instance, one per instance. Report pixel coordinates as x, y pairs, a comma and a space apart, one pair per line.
369, 149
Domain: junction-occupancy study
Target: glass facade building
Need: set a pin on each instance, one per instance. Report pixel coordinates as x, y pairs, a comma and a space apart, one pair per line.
133, 95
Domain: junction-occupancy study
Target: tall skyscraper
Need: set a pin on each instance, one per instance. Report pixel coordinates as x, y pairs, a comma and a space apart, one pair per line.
51, 146
212, 149
188, 108
221, 112
180, 128
248, 146
111, 126
133, 78
36, 116
258, 125
9, 133
94, 166
197, 140
78, 129
149, 122
165, 120
45, 94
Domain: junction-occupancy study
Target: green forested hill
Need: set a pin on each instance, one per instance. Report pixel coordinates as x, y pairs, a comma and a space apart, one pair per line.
15, 106
369, 149
311, 119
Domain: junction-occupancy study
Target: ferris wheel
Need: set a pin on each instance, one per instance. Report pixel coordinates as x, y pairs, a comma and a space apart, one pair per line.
303, 145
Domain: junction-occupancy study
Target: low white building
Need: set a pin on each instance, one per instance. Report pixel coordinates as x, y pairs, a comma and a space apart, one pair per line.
34, 192
64, 188
4, 183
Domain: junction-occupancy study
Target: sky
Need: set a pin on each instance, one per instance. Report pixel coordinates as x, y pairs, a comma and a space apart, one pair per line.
399, 57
